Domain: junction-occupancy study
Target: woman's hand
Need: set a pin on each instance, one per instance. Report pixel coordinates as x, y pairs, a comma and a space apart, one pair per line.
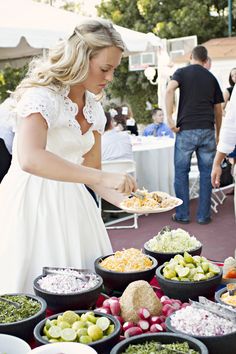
215, 175
216, 169
122, 182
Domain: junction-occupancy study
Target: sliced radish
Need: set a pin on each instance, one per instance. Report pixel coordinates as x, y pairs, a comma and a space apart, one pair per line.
168, 301
166, 308
115, 307
128, 325
157, 319
144, 325
133, 331
163, 298
106, 303
103, 310
144, 313
156, 328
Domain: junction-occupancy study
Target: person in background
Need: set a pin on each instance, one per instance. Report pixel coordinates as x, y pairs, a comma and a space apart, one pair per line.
47, 216
226, 143
131, 124
158, 128
208, 63
227, 93
116, 145
199, 113
119, 120
227, 96
6, 139
6, 136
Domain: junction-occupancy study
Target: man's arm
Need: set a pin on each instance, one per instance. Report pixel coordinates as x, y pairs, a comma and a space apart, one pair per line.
169, 101
218, 119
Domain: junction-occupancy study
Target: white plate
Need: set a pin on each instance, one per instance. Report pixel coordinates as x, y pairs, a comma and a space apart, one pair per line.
153, 211
68, 348
12, 345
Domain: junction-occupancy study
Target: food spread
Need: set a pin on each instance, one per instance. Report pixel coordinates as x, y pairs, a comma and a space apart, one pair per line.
144, 200
128, 260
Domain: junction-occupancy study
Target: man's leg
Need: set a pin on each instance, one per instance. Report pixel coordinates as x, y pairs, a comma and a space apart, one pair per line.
184, 147
205, 155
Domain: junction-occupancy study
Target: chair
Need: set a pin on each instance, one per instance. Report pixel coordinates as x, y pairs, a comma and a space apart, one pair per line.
218, 196
121, 166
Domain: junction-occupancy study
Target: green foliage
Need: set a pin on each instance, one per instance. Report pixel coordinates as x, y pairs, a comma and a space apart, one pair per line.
9, 78
206, 18
168, 19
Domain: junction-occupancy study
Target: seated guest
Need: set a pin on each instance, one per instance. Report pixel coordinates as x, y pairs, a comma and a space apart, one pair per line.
131, 124
158, 128
6, 136
119, 120
116, 145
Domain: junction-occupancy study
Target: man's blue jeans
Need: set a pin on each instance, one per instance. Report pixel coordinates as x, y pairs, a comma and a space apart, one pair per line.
202, 141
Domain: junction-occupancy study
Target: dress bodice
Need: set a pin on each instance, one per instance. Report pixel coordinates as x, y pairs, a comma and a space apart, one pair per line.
64, 136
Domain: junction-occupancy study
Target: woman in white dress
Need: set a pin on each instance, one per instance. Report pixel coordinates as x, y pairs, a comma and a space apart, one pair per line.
226, 143
47, 216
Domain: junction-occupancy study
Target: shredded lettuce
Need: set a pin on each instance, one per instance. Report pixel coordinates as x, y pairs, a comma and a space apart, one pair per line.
172, 241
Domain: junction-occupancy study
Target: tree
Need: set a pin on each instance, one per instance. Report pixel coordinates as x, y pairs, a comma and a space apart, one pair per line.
167, 19
9, 78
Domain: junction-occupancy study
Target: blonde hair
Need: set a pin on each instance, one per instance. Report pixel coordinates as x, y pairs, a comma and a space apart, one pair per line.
68, 62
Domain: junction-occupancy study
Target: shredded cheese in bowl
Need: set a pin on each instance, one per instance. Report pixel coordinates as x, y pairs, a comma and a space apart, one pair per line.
129, 260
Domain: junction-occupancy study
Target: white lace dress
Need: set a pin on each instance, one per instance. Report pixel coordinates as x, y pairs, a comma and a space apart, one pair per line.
45, 222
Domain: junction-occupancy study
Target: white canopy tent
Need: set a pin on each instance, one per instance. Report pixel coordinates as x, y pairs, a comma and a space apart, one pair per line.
27, 27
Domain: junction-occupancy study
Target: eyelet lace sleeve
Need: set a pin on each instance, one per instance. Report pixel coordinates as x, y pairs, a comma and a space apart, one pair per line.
39, 100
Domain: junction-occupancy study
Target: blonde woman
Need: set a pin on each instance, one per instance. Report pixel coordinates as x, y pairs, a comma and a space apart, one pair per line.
47, 216
226, 143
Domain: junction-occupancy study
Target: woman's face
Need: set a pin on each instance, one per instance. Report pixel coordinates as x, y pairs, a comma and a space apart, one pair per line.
101, 69
233, 75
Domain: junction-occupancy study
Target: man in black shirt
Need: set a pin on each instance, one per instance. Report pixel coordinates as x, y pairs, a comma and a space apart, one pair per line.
199, 113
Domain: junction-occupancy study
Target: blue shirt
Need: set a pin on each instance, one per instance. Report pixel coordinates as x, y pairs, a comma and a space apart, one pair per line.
158, 130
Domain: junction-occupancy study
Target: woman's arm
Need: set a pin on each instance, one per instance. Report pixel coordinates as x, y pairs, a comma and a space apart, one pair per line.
226, 99
34, 159
169, 101
218, 119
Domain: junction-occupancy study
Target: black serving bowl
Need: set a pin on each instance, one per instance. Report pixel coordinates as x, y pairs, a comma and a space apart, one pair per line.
70, 301
224, 344
102, 346
118, 281
185, 290
163, 338
218, 299
163, 257
24, 328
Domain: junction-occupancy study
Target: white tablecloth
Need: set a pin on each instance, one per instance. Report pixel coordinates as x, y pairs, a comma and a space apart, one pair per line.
154, 163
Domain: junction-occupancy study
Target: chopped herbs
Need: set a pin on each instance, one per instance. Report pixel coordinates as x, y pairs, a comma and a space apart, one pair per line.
9, 313
154, 347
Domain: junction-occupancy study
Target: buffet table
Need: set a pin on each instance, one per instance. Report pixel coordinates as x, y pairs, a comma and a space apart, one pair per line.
154, 163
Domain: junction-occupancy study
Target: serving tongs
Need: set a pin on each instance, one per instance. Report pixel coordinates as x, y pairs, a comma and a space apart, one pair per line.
138, 194
62, 271
163, 346
231, 289
10, 302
